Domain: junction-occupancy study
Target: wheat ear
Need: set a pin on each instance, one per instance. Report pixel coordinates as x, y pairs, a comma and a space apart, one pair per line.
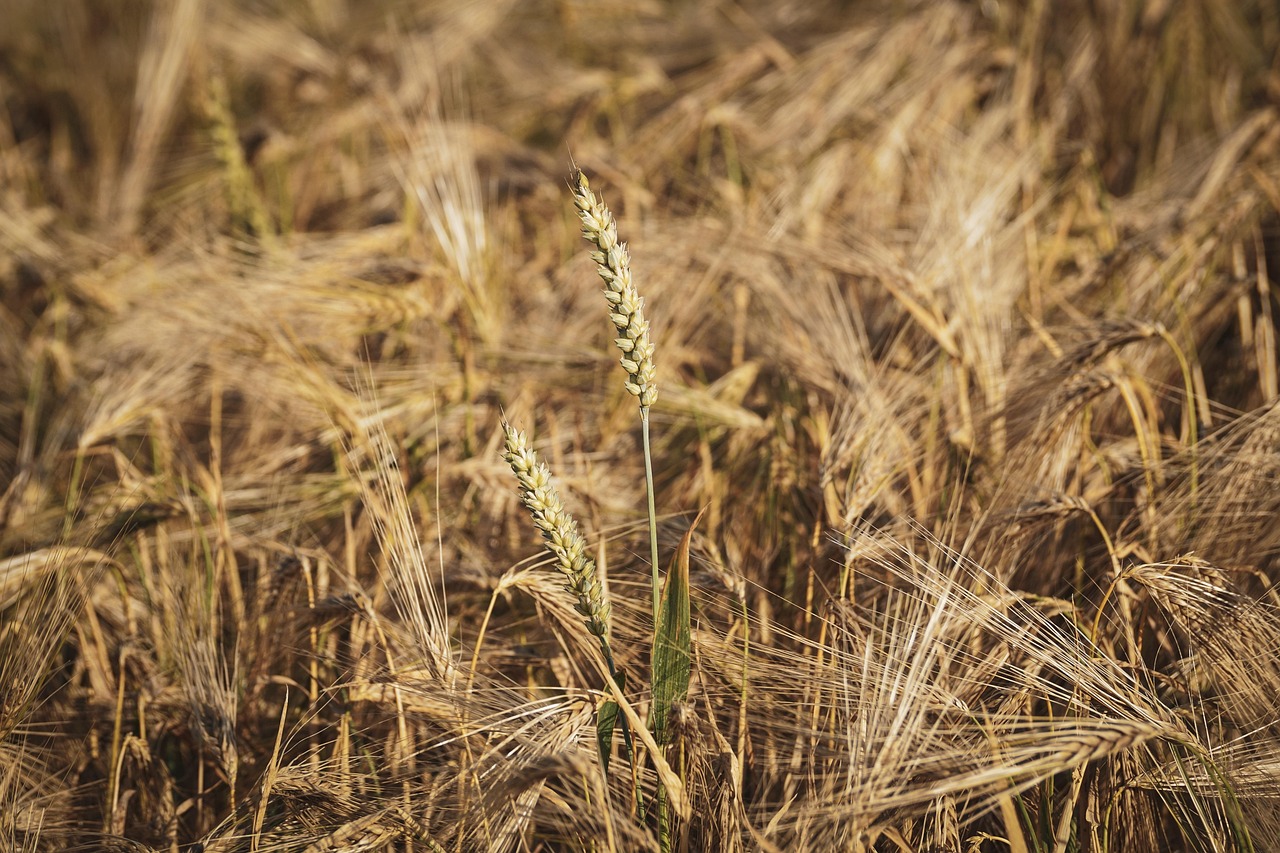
626, 307
559, 529
626, 310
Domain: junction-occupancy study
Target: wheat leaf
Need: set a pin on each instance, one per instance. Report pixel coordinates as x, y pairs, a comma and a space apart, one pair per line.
606, 721
671, 641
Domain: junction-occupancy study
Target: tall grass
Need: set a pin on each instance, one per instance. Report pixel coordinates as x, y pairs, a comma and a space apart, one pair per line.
966, 327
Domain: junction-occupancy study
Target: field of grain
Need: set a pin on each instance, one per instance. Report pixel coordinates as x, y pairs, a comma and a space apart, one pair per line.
961, 352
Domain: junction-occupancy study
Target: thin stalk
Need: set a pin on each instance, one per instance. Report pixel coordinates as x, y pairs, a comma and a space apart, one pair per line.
653, 513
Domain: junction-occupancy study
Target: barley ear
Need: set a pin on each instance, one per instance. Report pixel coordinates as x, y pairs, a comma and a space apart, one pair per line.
626, 308
559, 530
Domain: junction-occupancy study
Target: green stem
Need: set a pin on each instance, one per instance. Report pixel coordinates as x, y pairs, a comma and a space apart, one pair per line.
653, 513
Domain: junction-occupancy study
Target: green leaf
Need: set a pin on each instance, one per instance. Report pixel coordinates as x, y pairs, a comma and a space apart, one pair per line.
606, 720
671, 642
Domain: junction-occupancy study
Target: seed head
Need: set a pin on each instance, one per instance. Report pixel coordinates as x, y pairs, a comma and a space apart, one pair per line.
626, 308
559, 530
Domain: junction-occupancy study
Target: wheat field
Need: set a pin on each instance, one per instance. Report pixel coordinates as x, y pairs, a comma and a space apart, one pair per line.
961, 333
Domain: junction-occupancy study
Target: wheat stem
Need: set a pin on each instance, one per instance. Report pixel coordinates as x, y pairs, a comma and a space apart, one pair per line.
653, 513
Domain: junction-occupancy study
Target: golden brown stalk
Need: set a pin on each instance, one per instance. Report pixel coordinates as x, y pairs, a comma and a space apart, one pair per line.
559, 529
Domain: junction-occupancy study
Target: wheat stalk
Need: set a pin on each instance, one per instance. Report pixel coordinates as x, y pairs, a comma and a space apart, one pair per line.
626, 310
